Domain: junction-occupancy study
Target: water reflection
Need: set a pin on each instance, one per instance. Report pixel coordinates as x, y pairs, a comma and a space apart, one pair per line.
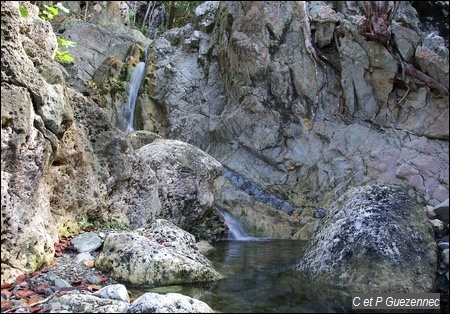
258, 278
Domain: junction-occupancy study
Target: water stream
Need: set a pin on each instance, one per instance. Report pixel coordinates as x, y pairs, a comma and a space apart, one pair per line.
137, 75
257, 279
235, 226
258, 276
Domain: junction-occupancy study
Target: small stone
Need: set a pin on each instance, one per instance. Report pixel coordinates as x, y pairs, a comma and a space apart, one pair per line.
430, 212
61, 283
87, 242
445, 256
437, 225
93, 279
114, 292
443, 245
205, 248
319, 213
85, 256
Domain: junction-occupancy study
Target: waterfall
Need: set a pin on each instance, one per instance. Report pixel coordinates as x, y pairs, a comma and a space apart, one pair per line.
235, 226
137, 75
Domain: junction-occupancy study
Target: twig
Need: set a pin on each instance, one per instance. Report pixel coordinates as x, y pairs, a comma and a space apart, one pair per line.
86, 11
406, 94
431, 82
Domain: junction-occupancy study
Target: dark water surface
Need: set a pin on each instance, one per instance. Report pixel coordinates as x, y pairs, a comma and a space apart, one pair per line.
257, 279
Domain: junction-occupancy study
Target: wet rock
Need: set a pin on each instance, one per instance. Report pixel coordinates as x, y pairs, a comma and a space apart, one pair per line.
205, 248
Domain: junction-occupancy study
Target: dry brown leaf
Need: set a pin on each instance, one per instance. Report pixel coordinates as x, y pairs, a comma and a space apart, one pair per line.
89, 263
33, 300
24, 293
6, 285
6, 304
35, 309
41, 288
20, 279
94, 287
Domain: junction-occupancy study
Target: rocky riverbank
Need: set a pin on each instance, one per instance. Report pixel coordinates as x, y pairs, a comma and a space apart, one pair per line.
73, 273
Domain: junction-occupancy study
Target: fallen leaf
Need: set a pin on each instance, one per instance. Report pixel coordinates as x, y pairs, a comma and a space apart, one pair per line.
24, 293
33, 300
35, 274
6, 285
6, 304
89, 263
94, 287
35, 309
20, 279
41, 288
54, 262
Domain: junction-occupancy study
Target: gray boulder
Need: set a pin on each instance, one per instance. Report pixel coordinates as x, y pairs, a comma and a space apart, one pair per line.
159, 256
168, 303
375, 239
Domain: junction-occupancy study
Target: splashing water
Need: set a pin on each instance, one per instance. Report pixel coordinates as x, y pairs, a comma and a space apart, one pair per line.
237, 230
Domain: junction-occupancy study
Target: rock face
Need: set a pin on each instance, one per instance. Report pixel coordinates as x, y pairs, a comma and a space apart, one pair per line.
30, 132
163, 255
379, 224
63, 160
304, 115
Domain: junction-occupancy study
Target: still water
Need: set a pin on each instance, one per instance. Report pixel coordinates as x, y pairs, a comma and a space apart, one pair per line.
258, 278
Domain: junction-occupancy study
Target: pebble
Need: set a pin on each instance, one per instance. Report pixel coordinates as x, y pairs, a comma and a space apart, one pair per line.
319, 213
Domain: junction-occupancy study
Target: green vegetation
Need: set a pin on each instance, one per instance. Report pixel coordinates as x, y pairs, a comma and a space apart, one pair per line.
180, 12
84, 224
63, 56
48, 13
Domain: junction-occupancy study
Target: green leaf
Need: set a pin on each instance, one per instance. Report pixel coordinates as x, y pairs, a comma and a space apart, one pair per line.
66, 43
63, 56
52, 10
23, 11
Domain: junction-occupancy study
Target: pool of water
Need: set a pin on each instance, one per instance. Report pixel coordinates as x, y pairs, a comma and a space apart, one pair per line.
258, 278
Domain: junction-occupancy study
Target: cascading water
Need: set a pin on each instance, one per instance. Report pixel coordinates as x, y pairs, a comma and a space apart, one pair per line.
137, 75
235, 226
